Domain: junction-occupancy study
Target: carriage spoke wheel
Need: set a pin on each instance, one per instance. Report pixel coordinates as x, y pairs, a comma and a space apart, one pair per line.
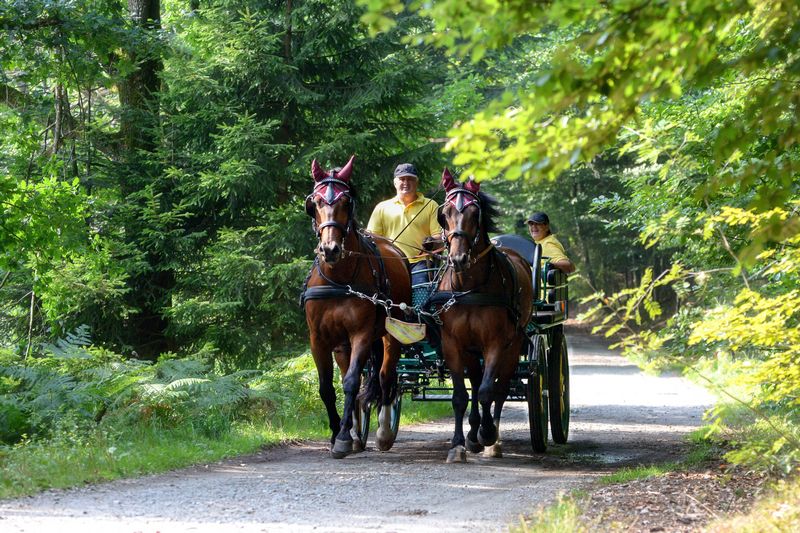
362, 414
558, 387
537, 400
361, 423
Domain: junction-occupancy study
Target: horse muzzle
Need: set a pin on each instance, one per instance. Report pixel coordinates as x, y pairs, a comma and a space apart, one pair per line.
331, 252
460, 261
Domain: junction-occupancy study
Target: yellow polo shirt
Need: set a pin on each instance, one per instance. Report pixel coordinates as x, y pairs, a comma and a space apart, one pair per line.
552, 248
390, 218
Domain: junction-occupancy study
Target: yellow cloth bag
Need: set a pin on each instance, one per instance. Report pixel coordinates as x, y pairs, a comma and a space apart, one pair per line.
405, 332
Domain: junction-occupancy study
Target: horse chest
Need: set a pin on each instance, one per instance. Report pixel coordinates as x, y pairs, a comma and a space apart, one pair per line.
344, 320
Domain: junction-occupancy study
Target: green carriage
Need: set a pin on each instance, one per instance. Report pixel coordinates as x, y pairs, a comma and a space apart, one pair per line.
542, 375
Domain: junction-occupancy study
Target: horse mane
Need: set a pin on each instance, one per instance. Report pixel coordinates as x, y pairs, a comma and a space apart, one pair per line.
490, 212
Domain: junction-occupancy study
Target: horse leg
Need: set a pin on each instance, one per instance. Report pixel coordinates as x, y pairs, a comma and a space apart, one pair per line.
321, 353
487, 434
458, 453
384, 437
475, 375
342, 356
351, 383
495, 450
500, 371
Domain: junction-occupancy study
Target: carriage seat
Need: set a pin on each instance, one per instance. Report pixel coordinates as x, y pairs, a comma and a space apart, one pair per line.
550, 302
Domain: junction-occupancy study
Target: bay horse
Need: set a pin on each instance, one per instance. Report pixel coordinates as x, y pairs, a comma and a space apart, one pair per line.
343, 324
485, 297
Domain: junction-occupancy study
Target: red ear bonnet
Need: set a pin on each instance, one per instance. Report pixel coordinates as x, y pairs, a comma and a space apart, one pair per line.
472, 186
317, 172
344, 174
447, 180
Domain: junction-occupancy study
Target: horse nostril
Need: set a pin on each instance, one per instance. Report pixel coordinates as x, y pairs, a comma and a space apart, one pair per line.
332, 252
459, 262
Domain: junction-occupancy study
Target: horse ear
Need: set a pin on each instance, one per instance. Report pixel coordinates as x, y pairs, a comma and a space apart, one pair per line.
344, 174
316, 171
447, 180
472, 186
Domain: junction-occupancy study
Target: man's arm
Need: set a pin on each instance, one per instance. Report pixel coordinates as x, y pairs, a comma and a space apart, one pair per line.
564, 265
558, 256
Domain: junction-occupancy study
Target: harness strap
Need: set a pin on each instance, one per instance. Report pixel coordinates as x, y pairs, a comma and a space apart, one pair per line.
381, 288
326, 292
439, 298
467, 298
514, 309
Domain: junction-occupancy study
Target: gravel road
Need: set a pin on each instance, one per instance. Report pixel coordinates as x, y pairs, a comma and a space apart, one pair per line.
620, 417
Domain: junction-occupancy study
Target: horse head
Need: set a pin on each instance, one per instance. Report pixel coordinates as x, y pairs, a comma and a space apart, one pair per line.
331, 205
461, 219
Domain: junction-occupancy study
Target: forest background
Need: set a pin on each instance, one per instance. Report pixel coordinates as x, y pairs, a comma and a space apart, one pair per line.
154, 159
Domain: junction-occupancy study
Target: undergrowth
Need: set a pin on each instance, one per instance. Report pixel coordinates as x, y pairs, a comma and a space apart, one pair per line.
74, 414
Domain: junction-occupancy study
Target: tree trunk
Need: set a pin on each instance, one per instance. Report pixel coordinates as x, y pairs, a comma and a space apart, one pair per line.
151, 292
137, 93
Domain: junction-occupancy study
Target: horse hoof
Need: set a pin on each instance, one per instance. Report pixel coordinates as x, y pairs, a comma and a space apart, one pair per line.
457, 454
487, 440
494, 451
358, 444
341, 449
384, 439
473, 446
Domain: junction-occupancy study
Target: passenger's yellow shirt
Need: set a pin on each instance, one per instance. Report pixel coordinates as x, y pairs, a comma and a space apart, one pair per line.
390, 217
552, 248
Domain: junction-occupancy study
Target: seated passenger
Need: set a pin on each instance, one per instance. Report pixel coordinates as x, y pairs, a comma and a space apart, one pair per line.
539, 226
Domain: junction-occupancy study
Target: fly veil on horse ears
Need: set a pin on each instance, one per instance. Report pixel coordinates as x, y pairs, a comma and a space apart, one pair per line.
459, 196
331, 188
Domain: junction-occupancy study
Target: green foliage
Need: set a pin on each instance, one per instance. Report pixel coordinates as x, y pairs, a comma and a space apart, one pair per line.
171, 219
696, 101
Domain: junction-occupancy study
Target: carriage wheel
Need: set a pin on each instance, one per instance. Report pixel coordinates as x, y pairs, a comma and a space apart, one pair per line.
395, 407
537, 402
558, 386
361, 423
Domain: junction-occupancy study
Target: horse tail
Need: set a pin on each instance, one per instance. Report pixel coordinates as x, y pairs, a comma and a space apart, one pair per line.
371, 391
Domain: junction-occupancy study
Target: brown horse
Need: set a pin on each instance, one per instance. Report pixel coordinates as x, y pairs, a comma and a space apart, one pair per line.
342, 323
485, 297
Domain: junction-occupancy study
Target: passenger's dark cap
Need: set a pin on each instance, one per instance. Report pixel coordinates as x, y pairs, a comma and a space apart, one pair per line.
539, 218
405, 169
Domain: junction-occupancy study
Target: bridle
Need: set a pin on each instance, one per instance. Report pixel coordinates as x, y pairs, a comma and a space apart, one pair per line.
461, 198
331, 190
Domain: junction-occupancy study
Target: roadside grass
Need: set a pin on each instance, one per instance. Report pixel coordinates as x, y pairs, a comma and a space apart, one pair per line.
76, 457
559, 517
565, 513
638, 472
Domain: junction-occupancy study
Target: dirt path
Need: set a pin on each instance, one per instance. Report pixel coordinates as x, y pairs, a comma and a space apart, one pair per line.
619, 417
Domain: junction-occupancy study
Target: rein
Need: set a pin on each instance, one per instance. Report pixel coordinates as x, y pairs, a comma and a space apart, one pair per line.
435, 193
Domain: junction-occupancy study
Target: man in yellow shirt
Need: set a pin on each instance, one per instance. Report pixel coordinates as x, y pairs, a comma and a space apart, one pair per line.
539, 226
408, 218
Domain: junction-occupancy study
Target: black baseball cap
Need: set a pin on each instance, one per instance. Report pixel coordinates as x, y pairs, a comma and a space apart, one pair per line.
539, 218
405, 169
